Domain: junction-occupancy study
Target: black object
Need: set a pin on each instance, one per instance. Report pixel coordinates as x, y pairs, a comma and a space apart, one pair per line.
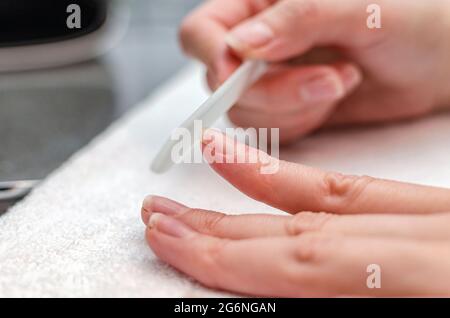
11, 192
47, 115
26, 22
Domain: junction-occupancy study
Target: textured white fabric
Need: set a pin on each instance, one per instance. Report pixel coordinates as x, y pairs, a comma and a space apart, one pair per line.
80, 233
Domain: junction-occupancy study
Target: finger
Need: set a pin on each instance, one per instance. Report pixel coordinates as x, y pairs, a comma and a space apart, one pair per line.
238, 266
291, 125
215, 223
283, 30
373, 103
419, 227
202, 33
309, 265
296, 100
299, 88
294, 187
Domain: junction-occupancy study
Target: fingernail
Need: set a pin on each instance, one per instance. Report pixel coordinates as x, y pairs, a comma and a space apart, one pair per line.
351, 76
214, 138
213, 146
169, 226
155, 204
153, 220
249, 35
322, 89
212, 135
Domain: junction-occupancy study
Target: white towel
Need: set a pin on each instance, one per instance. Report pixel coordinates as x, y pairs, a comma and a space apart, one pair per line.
80, 233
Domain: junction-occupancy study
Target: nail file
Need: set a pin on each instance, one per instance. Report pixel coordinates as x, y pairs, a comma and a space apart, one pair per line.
213, 108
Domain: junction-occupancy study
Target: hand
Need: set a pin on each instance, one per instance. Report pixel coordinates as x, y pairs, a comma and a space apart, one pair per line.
357, 75
308, 254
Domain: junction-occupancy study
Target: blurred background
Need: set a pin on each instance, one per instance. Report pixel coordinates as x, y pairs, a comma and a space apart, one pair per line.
48, 112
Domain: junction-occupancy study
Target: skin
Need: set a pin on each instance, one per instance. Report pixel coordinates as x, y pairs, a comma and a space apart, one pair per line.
327, 69
308, 254
397, 72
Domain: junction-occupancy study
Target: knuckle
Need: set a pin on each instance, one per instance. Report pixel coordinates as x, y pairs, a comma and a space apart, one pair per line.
307, 221
191, 213
314, 247
211, 260
306, 280
310, 248
342, 191
212, 222
205, 221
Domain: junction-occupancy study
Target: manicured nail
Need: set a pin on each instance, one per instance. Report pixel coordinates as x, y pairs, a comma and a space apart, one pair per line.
250, 35
322, 89
169, 226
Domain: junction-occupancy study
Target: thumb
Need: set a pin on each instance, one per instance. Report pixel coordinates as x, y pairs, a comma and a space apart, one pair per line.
292, 27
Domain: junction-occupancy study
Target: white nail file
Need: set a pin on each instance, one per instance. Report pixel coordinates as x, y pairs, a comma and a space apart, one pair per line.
215, 107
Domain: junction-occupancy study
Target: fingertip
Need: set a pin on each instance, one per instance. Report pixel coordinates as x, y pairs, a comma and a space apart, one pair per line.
243, 166
224, 65
157, 204
328, 83
236, 45
170, 226
218, 148
148, 200
146, 209
211, 135
211, 80
226, 150
325, 88
161, 244
250, 36
150, 236
161, 240
351, 76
